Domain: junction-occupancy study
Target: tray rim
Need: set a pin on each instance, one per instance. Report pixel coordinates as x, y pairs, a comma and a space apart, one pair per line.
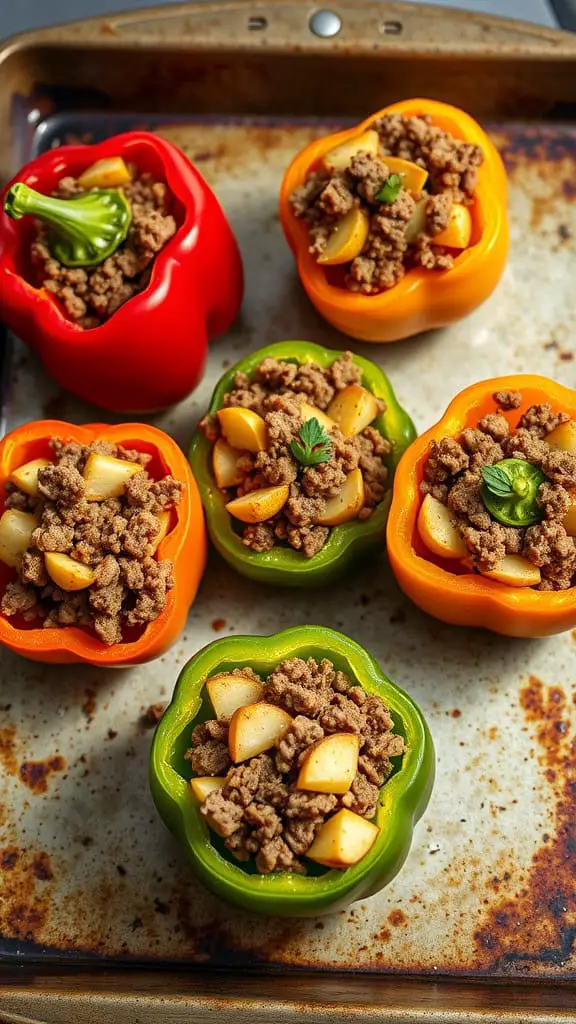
39, 994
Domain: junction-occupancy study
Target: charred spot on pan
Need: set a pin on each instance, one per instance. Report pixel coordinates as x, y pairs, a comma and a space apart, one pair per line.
531, 927
35, 774
8, 858
42, 868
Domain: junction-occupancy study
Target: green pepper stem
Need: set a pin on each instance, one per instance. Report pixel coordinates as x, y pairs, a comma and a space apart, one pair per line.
520, 486
84, 230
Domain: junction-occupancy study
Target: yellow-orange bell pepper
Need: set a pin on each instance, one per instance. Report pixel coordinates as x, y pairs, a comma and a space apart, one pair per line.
452, 593
424, 298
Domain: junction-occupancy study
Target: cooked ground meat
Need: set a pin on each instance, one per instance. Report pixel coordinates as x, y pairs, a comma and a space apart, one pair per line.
452, 474
90, 296
276, 393
259, 811
115, 537
388, 253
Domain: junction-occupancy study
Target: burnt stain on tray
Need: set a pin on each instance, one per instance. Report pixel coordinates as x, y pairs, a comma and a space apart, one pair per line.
538, 922
35, 774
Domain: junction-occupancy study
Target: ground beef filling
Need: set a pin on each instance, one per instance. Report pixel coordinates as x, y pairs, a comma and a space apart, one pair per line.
259, 812
452, 474
276, 393
115, 537
90, 296
387, 254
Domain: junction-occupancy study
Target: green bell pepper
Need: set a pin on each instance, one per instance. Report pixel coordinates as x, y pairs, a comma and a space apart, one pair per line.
282, 565
403, 798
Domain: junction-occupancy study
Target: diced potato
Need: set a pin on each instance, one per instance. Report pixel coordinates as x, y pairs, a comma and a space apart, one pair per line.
256, 728
338, 159
331, 764
111, 172
16, 529
225, 464
228, 692
343, 840
353, 409
67, 573
413, 176
458, 232
26, 476
107, 477
164, 519
203, 785
345, 505
310, 412
438, 531
347, 239
515, 571
563, 437
417, 223
243, 428
257, 506
570, 520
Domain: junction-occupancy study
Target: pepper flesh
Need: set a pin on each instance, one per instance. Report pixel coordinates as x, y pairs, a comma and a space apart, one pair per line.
84, 230
151, 352
403, 798
467, 599
284, 566
184, 545
423, 299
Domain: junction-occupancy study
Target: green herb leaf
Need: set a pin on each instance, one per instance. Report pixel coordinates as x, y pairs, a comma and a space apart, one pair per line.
497, 481
390, 189
313, 445
510, 492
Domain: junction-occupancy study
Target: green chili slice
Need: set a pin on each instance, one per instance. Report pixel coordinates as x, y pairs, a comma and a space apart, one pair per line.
510, 492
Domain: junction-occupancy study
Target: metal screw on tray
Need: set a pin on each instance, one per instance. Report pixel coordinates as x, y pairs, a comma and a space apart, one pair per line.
325, 24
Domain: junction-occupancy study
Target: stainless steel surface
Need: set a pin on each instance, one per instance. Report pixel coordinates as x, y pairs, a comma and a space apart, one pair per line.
87, 867
27, 14
325, 23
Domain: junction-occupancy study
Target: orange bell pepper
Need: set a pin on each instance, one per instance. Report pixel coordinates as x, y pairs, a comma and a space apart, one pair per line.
184, 545
452, 593
423, 298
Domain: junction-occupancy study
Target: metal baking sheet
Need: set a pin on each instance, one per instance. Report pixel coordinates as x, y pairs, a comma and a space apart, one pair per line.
88, 874
488, 886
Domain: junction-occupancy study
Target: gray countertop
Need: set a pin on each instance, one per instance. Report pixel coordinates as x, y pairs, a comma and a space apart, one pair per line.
26, 14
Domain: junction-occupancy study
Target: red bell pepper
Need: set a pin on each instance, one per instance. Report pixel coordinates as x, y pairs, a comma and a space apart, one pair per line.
151, 352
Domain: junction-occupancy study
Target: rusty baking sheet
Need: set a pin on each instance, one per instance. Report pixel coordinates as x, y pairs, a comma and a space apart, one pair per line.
87, 870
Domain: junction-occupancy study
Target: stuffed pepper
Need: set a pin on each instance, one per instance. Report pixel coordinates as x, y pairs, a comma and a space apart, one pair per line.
292, 770
399, 224
117, 264
295, 461
482, 526
102, 542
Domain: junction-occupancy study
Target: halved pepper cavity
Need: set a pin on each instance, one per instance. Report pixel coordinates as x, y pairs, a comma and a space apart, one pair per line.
461, 597
184, 545
284, 566
423, 299
151, 351
402, 801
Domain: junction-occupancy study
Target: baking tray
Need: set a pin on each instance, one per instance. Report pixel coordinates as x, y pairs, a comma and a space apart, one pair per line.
481, 923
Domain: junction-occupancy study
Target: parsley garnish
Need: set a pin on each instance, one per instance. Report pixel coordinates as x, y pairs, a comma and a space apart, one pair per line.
313, 444
390, 189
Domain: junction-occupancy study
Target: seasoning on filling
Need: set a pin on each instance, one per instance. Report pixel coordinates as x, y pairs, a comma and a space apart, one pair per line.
504, 499
296, 451
395, 197
81, 531
292, 766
